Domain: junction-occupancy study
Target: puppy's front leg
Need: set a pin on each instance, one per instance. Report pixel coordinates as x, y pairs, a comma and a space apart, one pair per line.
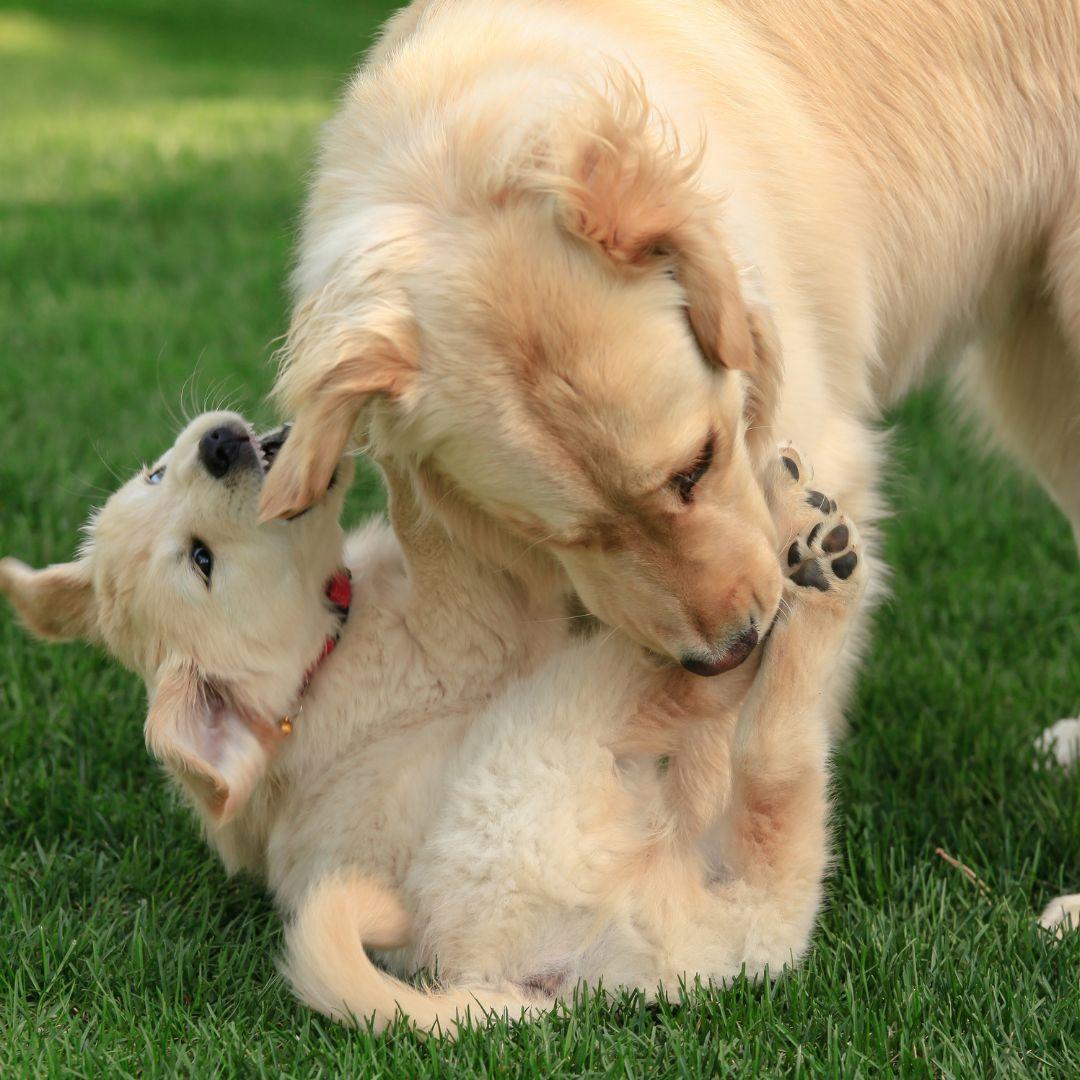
689, 723
773, 840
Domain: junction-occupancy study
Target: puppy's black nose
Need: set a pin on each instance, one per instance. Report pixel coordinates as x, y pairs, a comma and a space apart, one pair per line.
219, 450
738, 650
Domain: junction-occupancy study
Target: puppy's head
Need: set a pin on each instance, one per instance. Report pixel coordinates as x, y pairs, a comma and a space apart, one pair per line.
574, 352
219, 614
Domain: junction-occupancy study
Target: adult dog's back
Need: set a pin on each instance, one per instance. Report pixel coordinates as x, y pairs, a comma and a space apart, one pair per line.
960, 119
947, 130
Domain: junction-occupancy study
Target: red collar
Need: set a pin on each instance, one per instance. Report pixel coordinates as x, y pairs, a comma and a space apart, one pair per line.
339, 593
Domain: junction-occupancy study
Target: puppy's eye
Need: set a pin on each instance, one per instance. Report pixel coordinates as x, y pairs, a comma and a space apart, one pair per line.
683, 483
202, 559
156, 476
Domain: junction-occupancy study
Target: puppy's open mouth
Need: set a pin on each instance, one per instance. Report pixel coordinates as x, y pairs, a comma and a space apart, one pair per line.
267, 448
268, 445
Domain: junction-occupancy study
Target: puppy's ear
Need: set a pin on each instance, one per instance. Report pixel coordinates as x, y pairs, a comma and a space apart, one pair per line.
56, 603
331, 372
216, 752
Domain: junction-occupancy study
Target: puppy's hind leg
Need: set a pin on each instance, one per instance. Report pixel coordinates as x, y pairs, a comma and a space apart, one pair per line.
688, 723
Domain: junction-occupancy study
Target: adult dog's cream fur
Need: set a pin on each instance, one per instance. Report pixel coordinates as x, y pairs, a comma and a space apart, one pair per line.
465, 787
553, 247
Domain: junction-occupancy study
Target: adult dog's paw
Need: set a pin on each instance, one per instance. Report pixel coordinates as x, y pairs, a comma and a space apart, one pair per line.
1062, 741
1062, 915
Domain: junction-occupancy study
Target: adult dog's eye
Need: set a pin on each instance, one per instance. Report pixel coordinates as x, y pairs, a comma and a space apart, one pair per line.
683, 483
202, 559
156, 476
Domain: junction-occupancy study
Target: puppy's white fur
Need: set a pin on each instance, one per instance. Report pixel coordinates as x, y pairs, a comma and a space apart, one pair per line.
465, 787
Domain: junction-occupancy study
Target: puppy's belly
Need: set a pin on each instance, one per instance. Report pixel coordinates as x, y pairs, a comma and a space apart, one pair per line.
368, 813
540, 829
521, 888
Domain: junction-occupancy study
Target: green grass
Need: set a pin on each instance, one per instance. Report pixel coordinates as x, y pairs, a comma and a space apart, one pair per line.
152, 157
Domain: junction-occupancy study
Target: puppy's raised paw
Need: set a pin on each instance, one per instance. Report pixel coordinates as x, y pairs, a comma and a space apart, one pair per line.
825, 556
820, 551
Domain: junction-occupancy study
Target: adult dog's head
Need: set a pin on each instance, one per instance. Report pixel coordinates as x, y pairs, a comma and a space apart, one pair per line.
558, 339
219, 614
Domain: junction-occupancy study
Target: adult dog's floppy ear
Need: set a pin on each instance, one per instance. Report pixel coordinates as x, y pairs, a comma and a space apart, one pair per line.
627, 185
216, 752
333, 368
630, 189
56, 603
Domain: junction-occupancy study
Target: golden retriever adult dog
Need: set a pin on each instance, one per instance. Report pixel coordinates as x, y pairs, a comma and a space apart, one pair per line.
572, 266
420, 760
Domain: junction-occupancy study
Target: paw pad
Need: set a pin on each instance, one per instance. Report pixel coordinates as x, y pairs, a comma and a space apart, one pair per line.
844, 567
825, 555
821, 554
811, 576
836, 540
821, 502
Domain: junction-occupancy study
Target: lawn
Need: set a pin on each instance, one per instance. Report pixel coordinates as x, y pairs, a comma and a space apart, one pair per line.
152, 159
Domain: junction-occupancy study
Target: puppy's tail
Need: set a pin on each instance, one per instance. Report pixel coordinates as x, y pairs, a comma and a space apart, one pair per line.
326, 963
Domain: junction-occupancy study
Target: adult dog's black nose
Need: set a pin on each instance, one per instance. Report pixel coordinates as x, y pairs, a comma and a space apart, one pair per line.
739, 648
220, 449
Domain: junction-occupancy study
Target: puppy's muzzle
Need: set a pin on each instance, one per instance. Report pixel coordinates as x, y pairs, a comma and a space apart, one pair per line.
224, 448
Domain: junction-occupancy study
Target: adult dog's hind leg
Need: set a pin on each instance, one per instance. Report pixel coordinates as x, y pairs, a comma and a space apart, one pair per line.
1026, 385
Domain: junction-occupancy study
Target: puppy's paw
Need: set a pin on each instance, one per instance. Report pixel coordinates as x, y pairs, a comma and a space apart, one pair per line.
1062, 915
825, 556
819, 542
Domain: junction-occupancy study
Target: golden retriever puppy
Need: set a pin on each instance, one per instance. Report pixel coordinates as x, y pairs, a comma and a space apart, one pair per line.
571, 266
404, 743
